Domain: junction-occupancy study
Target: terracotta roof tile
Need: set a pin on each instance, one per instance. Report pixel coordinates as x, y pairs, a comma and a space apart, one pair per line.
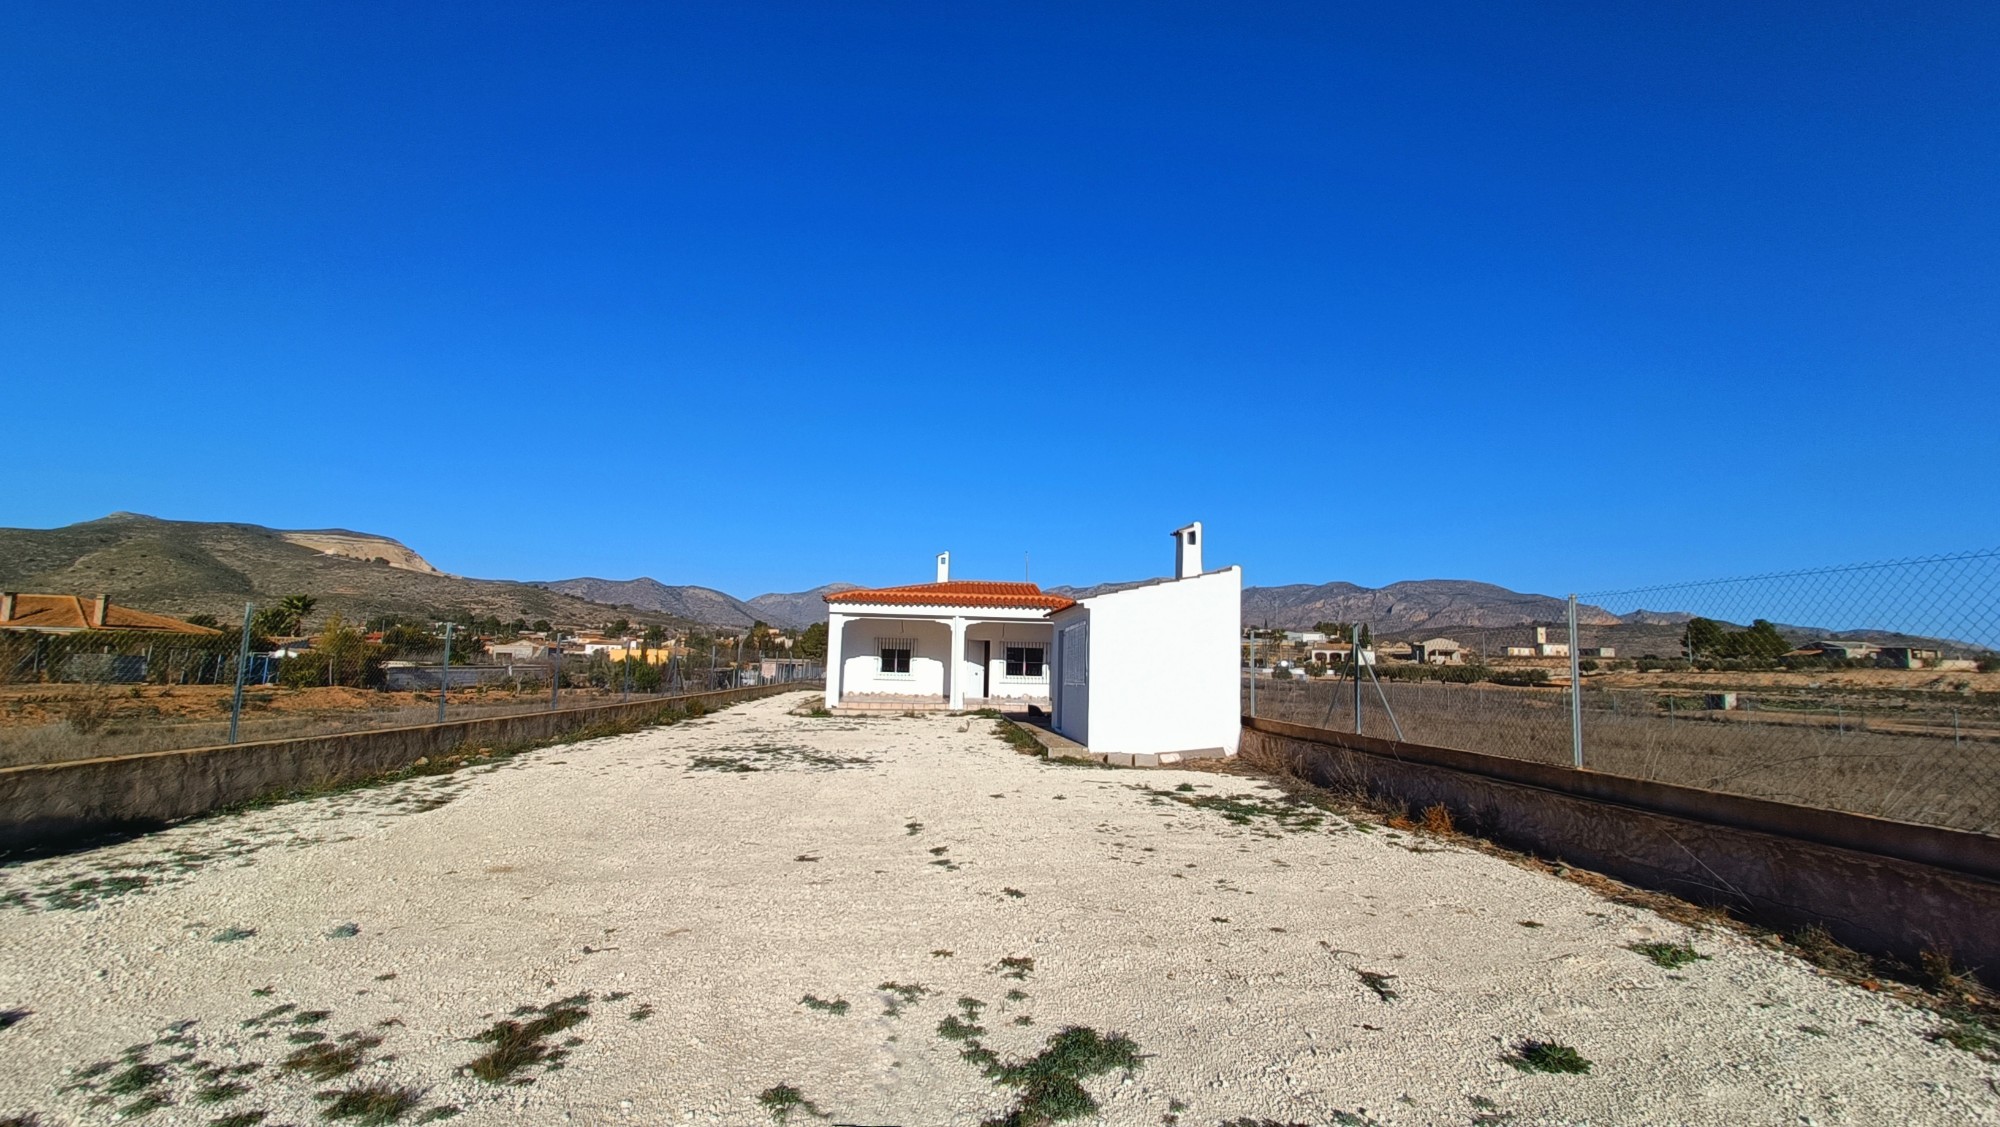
956, 593
74, 612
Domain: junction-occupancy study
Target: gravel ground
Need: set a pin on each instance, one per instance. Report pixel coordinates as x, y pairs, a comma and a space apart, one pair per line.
652, 912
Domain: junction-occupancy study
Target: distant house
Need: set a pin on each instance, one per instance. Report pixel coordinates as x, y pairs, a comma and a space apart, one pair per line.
1906, 657
526, 649
1546, 648
1304, 637
1844, 650
71, 614
1398, 651
123, 657
1538, 646
1437, 651
1330, 653
1596, 651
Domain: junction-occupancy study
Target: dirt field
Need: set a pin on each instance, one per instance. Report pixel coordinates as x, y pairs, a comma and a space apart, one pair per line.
894, 921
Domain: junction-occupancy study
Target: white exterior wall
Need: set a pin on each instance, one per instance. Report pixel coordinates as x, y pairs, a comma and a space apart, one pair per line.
945, 661
1163, 667
860, 663
1002, 634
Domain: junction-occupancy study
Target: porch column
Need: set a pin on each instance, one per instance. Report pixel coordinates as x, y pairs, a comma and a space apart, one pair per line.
835, 624
956, 666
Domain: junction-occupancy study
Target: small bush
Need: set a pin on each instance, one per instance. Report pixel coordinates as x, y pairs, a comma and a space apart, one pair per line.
1437, 820
781, 1100
1547, 1056
1668, 955
372, 1104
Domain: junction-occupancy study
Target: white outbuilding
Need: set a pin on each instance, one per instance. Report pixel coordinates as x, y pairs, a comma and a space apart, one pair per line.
1154, 669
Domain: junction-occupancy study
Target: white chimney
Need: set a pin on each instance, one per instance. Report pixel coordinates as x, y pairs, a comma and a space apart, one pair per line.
1187, 551
944, 567
100, 611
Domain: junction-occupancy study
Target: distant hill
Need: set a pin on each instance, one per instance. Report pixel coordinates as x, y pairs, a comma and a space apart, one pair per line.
190, 567
1412, 606
694, 604
796, 611
193, 567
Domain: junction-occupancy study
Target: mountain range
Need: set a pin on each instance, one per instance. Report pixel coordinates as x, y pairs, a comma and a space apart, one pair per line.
192, 567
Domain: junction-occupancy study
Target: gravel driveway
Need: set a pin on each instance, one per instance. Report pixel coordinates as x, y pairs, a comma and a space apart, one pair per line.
887, 921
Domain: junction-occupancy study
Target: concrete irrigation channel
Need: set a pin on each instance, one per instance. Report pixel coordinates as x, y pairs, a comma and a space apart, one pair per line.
759, 915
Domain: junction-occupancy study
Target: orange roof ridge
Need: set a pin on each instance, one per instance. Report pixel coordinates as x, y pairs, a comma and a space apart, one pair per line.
956, 593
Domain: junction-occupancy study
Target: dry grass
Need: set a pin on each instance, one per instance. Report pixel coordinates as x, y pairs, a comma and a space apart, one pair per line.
1913, 755
40, 723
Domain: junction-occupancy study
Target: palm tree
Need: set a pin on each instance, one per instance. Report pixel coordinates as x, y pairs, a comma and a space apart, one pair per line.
292, 612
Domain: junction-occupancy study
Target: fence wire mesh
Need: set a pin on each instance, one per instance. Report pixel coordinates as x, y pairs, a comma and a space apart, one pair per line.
1869, 688
114, 690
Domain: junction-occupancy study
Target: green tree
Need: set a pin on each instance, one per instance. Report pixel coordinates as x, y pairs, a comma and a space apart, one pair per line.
296, 609
618, 627
812, 644
1704, 636
542, 626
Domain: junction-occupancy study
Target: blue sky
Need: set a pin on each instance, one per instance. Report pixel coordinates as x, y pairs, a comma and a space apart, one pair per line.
764, 295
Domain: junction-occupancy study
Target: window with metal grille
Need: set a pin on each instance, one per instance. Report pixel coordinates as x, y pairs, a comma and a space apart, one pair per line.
1025, 661
895, 655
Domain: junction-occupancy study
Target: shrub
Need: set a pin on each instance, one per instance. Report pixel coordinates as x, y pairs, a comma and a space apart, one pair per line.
1521, 678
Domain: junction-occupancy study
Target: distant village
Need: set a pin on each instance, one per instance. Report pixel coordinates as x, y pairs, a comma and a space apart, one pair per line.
72, 638
77, 638
1329, 649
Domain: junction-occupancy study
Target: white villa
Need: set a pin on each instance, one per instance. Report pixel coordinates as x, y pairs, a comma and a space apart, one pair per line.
1139, 673
956, 645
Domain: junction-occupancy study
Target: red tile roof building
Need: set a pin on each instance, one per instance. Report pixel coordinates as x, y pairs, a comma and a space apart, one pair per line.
69, 614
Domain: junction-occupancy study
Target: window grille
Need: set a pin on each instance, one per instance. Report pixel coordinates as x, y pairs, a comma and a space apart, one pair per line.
1025, 661
894, 655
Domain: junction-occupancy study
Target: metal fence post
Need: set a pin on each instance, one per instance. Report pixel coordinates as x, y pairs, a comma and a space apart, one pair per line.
242, 667
1253, 674
1354, 653
444, 678
1575, 693
555, 669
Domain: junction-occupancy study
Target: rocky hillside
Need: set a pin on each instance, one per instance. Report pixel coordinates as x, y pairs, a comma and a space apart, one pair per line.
695, 604
193, 567
1412, 606
796, 611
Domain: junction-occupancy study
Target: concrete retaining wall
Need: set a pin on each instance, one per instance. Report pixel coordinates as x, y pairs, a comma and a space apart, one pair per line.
46, 805
1883, 887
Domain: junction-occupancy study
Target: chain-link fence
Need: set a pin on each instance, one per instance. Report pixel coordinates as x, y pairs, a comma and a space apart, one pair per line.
107, 690
1871, 688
